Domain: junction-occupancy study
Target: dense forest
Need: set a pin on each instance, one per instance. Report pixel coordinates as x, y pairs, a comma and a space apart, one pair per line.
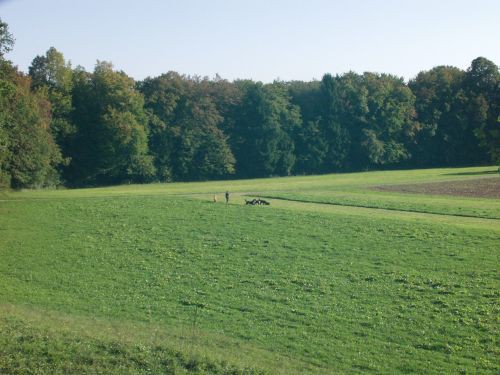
61, 125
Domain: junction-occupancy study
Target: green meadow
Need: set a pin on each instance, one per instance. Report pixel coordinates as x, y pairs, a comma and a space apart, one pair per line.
334, 276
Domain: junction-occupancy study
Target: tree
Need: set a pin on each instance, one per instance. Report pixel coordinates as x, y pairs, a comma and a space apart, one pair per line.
7, 89
28, 154
6, 43
311, 146
389, 123
111, 129
447, 116
162, 96
482, 82
53, 74
201, 150
187, 136
262, 139
6, 39
110, 144
334, 124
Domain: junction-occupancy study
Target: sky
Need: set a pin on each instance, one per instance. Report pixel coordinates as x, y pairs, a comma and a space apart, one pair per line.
262, 40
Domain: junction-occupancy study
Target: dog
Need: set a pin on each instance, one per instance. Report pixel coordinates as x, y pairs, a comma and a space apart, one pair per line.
257, 201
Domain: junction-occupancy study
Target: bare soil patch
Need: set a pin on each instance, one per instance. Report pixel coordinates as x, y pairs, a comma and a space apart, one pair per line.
479, 188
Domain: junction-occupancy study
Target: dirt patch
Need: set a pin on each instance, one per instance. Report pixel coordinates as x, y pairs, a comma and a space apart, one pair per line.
479, 188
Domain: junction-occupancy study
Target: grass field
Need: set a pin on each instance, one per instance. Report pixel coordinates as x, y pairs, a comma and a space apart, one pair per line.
335, 276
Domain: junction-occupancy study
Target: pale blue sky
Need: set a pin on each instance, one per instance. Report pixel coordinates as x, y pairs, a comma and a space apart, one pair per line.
258, 39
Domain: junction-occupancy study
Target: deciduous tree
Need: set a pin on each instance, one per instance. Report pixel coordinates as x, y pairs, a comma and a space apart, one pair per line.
110, 145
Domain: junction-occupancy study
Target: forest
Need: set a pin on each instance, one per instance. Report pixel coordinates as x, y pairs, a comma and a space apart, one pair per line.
65, 126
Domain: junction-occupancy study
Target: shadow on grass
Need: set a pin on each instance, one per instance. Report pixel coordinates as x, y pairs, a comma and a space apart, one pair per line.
474, 173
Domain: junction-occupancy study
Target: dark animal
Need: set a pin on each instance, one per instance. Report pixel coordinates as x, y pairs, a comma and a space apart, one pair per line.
258, 201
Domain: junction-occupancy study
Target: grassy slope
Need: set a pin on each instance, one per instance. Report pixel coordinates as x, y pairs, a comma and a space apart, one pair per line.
350, 189
288, 288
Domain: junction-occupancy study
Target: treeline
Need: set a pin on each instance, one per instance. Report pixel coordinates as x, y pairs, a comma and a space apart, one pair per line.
65, 126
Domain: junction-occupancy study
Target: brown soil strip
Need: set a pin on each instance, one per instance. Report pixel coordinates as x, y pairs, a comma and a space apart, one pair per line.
478, 188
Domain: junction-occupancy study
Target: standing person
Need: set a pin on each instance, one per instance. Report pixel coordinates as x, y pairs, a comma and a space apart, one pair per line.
227, 197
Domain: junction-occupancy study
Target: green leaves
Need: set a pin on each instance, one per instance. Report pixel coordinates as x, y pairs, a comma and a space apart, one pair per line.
110, 144
6, 39
266, 122
186, 138
483, 81
102, 127
28, 153
457, 112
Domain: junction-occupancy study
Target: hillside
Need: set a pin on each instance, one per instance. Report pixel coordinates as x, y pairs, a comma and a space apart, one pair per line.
392, 272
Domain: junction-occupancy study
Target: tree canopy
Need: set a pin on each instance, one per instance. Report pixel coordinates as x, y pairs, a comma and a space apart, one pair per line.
65, 125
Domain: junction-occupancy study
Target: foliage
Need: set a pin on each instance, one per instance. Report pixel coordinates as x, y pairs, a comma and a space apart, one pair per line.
53, 74
310, 144
111, 129
441, 110
29, 155
263, 143
482, 80
187, 138
6, 39
110, 144
333, 125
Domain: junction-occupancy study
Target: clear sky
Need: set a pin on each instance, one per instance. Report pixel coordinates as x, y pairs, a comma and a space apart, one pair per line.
257, 39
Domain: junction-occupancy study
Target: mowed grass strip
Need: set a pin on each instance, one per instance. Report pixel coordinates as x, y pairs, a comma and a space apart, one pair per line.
373, 214
488, 208
338, 293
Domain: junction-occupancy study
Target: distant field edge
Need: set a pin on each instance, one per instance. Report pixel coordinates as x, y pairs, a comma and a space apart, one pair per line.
346, 179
